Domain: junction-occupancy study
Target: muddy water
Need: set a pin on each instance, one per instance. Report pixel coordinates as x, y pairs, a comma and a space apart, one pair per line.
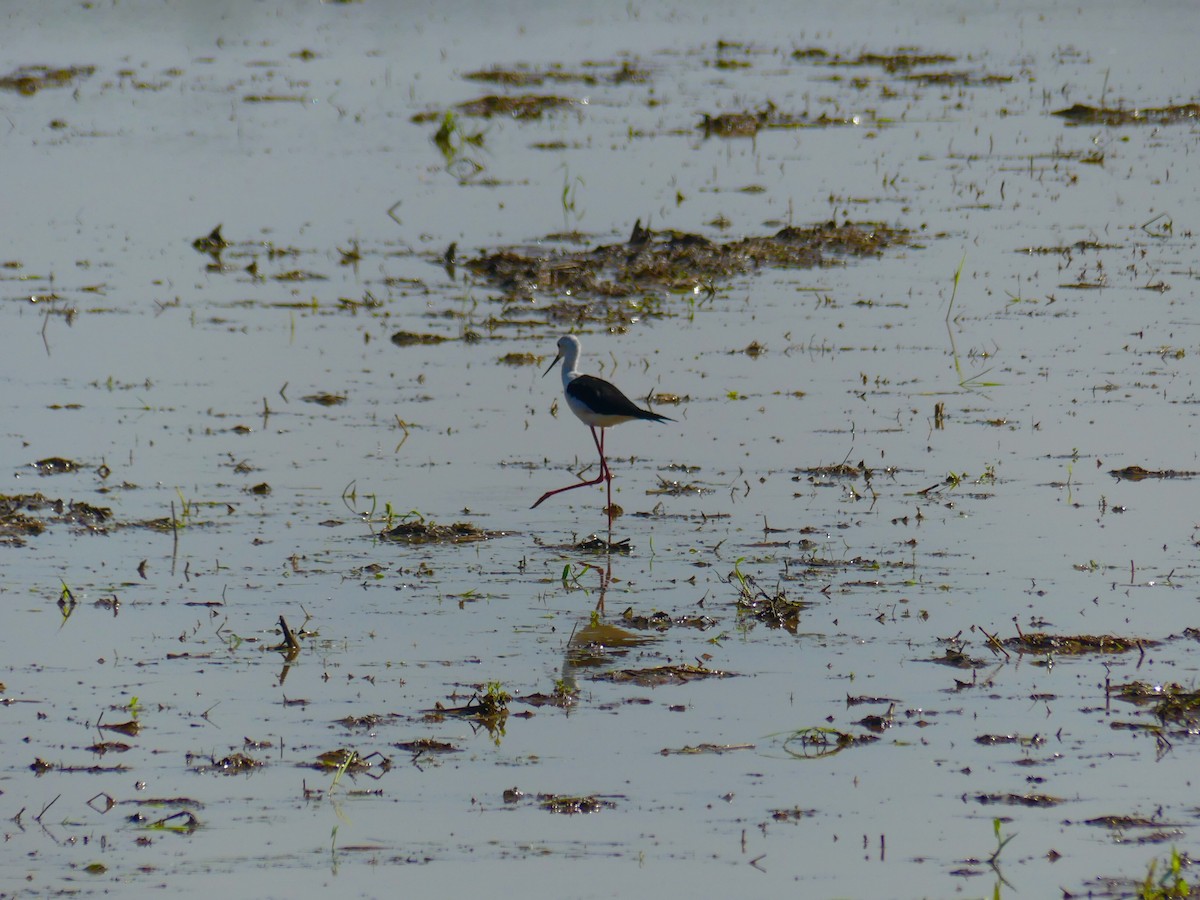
244, 428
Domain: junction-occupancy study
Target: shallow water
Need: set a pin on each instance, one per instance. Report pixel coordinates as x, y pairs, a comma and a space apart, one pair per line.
179, 386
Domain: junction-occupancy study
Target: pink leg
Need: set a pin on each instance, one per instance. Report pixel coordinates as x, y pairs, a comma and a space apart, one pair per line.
604, 474
599, 442
606, 471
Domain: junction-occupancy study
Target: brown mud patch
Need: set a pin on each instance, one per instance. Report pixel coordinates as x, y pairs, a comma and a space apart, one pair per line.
1068, 250
749, 123
1137, 473
660, 675
596, 544
212, 243
518, 359
1075, 644
325, 398
891, 63
956, 657
1171, 704
421, 746
1123, 822
40, 767
841, 470
995, 740
661, 621
654, 262
1082, 114
958, 79
28, 80
56, 465
521, 107
28, 515
413, 339
351, 762
669, 488
773, 609
233, 764
795, 814
573, 805
487, 705
564, 804
902, 64
699, 749
1043, 801
422, 532
528, 76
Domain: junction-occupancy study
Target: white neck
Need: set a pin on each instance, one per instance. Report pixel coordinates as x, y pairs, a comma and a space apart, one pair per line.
570, 355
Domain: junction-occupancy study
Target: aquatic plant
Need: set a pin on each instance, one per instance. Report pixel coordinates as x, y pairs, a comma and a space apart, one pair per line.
972, 382
570, 196
1001, 842
1170, 884
456, 145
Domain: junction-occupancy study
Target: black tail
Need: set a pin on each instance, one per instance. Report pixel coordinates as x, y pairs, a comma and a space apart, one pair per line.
653, 416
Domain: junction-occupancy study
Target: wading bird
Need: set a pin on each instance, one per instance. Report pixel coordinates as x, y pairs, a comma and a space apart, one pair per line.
598, 404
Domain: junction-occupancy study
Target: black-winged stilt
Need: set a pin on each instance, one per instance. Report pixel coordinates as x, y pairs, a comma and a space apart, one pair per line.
598, 404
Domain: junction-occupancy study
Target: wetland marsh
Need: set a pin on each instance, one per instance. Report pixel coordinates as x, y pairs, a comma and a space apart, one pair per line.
904, 601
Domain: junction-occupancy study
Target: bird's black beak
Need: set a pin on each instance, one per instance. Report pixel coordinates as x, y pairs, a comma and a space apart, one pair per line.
552, 365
